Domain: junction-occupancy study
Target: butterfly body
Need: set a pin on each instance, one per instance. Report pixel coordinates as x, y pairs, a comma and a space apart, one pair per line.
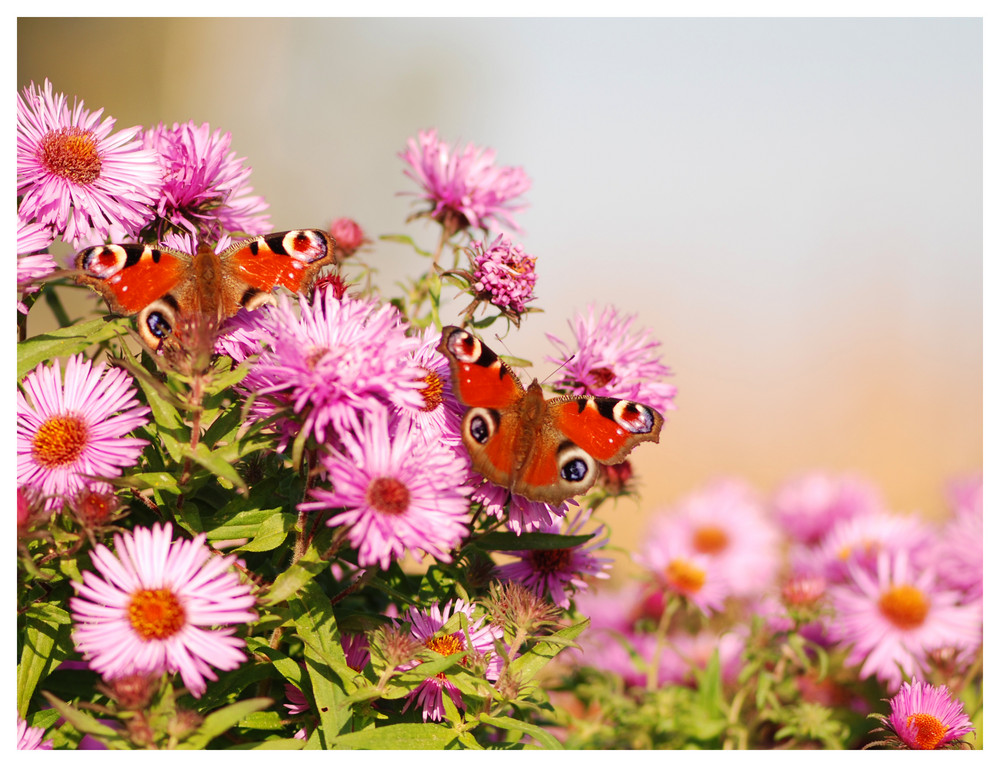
543, 449
165, 287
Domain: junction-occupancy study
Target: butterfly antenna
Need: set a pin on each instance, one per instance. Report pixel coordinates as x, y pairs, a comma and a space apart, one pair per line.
565, 362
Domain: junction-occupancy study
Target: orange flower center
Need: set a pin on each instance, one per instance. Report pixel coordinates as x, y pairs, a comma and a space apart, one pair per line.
388, 495
685, 577
710, 540
927, 730
446, 645
155, 614
551, 560
433, 391
71, 153
94, 508
905, 606
59, 441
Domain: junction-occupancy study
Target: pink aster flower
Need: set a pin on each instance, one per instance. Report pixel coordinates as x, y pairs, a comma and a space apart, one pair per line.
153, 606
522, 515
30, 738
398, 493
679, 569
925, 717
609, 360
464, 188
893, 618
440, 416
73, 429
687, 652
559, 572
503, 274
958, 551
32, 263
809, 506
205, 189
726, 523
860, 539
76, 177
427, 626
334, 360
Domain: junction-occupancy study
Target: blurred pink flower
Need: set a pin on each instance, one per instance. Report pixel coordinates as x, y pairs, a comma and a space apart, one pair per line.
347, 235
893, 618
465, 188
679, 569
30, 738
808, 507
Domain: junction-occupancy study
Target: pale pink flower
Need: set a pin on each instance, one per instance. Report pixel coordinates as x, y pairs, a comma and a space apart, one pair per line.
465, 188
859, 539
678, 569
156, 606
74, 175
808, 507
70, 430
892, 618
30, 738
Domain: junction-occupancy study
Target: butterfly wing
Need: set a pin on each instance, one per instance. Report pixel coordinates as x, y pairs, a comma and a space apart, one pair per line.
291, 259
131, 277
605, 427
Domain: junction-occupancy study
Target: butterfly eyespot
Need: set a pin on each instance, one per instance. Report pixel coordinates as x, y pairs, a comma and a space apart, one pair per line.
480, 424
574, 471
479, 430
158, 325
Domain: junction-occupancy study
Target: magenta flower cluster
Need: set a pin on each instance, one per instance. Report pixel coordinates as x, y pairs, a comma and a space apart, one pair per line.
503, 273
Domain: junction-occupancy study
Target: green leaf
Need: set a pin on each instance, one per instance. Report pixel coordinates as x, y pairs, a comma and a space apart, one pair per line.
66, 341
405, 240
506, 541
263, 720
545, 738
296, 578
270, 533
222, 720
215, 463
156, 480
529, 664
278, 744
46, 643
85, 723
398, 737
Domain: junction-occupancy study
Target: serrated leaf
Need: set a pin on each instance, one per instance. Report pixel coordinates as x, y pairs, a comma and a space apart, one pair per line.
507, 541
65, 342
222, 720
398, 737
544, 737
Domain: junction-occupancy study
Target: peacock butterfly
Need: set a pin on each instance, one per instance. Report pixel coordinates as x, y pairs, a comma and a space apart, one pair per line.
163, 286
544, 450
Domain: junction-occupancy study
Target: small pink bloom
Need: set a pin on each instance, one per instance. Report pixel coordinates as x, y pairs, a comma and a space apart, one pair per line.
348, 235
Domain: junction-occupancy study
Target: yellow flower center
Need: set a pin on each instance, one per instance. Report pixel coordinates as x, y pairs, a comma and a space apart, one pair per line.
685, 577
710, 540
155, 614
905, 606
71, 153
433, 391
446, 645
59, 441
927, 730
388, 495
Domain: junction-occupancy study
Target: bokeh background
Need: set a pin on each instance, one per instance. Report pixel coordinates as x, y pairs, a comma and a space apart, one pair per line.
793, 205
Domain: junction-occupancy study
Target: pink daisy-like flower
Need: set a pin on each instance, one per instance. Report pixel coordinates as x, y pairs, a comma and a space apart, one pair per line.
559, 572
427, 626
76, 177
73, 429
464, 188
891, 619
726, 523
860, 539
608, 360
333, 360
504, 274
440, 416
958, 551
687, 652
398, 493
522, 515
679, 569
32, 265
925, 717
30, 738
152, 608
205, 190
808, 507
